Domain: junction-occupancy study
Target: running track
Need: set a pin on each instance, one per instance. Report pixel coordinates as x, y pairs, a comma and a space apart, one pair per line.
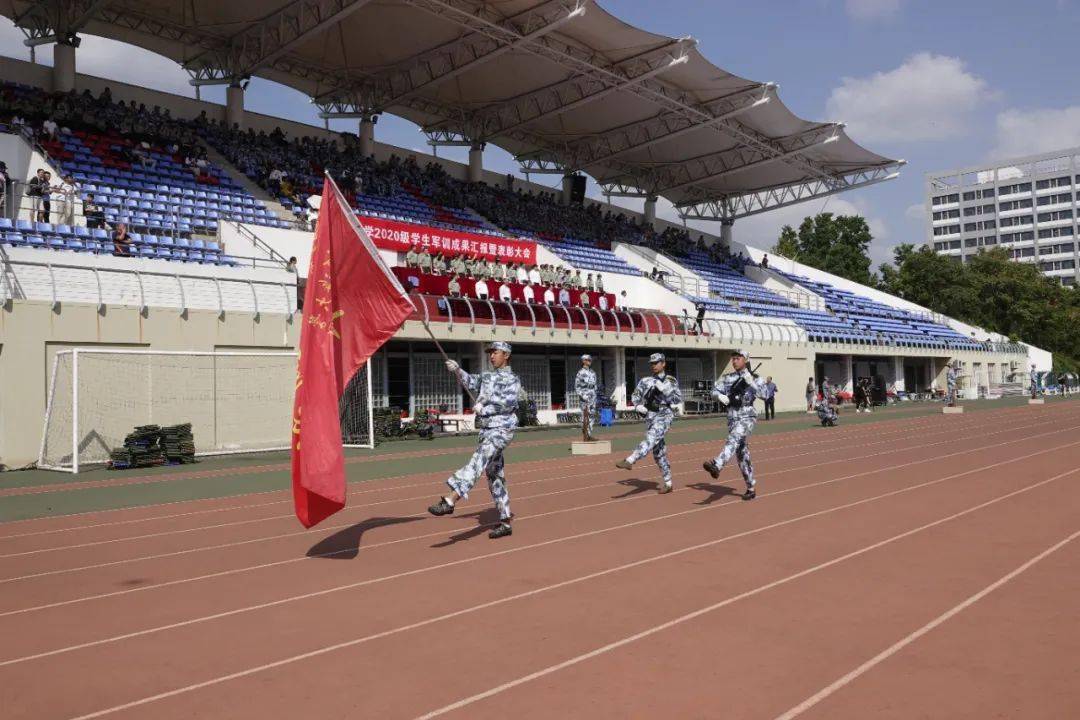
927, 567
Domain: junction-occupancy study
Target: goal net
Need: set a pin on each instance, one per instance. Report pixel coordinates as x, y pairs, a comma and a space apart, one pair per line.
236, 402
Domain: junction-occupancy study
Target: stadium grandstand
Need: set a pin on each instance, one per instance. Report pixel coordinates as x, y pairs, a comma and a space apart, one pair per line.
161, 247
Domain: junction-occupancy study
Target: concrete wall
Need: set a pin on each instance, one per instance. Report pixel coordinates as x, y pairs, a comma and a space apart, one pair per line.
30, 333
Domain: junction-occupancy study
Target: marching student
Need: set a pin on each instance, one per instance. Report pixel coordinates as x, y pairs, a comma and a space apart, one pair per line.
737, 391
655, 397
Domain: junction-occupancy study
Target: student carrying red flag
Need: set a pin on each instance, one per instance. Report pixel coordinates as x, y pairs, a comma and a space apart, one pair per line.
353, 304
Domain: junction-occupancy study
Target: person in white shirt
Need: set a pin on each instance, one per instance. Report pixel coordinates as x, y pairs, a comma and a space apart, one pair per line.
564, 296
522, 274
530, 296
549, 297
50, 127
481, 290
504, 292
602, 302
66, 194
534, 276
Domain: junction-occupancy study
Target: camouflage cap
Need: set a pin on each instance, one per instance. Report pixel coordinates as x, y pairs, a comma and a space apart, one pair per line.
498, 345
744, 353
586, 357
656, 357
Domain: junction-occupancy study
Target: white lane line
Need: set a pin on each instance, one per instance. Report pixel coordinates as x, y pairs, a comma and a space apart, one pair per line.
290, 516
581, 658
716, 606
547, 466
903, 643
295, 533
916, 419
545, 543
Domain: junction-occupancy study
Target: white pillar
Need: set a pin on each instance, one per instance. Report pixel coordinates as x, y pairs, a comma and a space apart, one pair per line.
849, 374
725, 231
619, 389
234, 106
367, 135
476, 162
63, 67
898, 373
650, 210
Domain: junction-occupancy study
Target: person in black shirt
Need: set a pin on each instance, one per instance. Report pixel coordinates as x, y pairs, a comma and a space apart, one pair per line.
95, 216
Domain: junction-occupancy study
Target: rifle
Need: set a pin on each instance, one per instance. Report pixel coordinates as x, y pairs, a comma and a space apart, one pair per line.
739, 386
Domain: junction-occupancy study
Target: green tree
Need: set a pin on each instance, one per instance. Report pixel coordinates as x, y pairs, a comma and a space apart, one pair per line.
835, 244
991, 291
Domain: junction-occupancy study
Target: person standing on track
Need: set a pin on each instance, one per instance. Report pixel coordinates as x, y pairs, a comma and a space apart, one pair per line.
1034, 382
585, 387
654, 397
811, 395
951, 375
768, 394
736, 391
495, 409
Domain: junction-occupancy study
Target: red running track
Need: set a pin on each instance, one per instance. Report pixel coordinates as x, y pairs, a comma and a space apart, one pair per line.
939, 552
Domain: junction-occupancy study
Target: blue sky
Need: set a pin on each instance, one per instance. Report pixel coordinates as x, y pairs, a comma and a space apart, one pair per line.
940, 84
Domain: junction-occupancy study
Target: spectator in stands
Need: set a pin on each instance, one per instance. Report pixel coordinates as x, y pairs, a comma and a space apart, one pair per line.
438, 264
121, 241
589, 285
504, 292
700, 318
579, 283
454, 287
522, 274
765, 262
549, 296
535, 276
274, 180
290, 266
36, 190
51, 128
529, 293
622, 300
142, 154
5, 179
599, 283
583, 300
481, 289
603, 302
412, 257
426, 263
94, 214
769, 396
67, 194
457, 266
47, 190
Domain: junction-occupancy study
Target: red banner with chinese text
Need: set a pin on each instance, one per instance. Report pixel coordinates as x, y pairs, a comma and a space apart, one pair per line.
397, 235
352, 305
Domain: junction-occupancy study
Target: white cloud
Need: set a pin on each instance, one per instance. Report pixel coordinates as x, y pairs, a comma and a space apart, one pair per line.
872, 9
108, 59
1027, 132
928, 97
916, 212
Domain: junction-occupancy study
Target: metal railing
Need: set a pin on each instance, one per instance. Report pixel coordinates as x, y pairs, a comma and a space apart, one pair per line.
10, 283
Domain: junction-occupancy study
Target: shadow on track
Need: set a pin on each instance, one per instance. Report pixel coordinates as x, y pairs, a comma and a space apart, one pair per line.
637, 487
345, 544
485, 520
716, 492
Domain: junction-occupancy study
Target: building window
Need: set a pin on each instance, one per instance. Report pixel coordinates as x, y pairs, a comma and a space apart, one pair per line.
1055, 199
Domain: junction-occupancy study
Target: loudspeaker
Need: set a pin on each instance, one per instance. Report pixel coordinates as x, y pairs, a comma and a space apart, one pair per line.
577, 189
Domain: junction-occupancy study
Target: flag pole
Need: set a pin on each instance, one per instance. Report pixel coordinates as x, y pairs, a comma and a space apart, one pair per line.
442, 352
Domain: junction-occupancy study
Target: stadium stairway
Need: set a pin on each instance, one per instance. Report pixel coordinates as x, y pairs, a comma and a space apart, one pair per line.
247, 183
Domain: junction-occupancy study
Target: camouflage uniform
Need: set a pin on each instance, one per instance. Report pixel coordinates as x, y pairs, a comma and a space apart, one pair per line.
496, 417
950, 384
741, 419
1034, 383
657, 422
826, 412
585, 387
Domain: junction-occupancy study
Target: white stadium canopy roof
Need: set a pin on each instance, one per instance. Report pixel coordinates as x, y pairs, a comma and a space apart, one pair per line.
561, 84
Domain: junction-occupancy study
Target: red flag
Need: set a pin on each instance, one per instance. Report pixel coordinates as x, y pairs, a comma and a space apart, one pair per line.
353, 304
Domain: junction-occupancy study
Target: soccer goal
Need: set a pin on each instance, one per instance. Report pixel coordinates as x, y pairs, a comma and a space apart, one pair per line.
236, 402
